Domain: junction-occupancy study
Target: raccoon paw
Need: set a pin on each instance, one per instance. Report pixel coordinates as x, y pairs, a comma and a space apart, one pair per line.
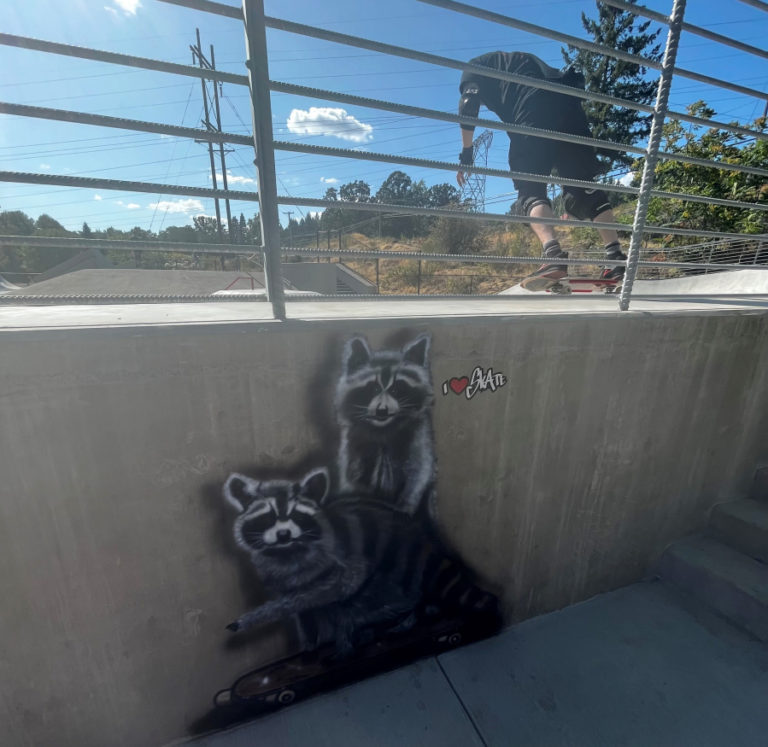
234, 626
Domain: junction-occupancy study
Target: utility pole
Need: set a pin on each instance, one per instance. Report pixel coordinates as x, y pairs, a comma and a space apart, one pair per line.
203, 63
289, 213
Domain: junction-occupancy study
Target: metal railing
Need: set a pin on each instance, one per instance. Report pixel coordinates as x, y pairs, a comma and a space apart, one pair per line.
718, 254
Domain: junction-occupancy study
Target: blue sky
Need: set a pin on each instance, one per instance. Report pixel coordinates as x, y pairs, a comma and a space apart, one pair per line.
154, 29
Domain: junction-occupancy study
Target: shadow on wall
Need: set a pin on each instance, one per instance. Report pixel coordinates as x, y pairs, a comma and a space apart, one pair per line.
348, 552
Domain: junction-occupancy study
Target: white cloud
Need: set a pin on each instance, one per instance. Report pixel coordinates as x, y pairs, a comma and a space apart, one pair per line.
329, 180
233, 179
129, 7
45, 167
188, 206
331, 122
111, 10
626, 180
132, 206
98, 197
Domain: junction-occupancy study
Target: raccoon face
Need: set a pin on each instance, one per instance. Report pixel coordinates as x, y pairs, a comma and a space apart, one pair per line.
277, 518
380, 389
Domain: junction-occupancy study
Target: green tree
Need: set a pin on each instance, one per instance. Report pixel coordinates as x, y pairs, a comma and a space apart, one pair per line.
623, 31
717, 145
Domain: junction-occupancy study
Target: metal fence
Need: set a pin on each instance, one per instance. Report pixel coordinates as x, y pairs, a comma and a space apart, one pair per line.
719, 251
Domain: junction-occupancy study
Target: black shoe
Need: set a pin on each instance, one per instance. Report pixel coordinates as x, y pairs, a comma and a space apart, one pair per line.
614, 273
551, 270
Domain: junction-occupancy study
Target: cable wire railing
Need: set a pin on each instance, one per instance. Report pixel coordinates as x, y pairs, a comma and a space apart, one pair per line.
723, 250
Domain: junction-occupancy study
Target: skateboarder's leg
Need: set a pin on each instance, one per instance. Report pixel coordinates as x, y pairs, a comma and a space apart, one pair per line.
532, 201
593, 205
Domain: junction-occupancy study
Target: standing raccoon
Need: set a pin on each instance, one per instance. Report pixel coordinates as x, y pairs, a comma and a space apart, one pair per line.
384, 408
345, 567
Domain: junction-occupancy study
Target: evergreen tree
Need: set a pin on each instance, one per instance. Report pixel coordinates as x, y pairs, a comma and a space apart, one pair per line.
620, 30
86, 233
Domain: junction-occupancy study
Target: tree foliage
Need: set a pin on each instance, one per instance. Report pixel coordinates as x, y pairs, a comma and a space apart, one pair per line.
716, 145
620, 30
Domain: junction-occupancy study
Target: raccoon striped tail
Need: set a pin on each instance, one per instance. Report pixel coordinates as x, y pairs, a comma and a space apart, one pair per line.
450, 590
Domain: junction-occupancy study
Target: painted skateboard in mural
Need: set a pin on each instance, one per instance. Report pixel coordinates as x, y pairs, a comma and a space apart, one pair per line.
294, 678
567, 285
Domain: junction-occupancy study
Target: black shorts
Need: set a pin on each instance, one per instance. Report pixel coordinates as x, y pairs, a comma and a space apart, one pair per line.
541, 155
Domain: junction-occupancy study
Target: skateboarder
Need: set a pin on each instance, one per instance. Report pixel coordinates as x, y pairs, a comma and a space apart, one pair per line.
535, 107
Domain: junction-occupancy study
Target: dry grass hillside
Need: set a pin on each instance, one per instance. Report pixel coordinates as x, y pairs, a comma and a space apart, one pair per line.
399, 276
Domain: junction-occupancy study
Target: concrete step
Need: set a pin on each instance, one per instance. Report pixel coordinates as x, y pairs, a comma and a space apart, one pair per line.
743, 525
759, 489
731, 583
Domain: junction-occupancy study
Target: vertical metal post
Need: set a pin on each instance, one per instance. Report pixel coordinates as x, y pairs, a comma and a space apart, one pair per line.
652, 152
261, 105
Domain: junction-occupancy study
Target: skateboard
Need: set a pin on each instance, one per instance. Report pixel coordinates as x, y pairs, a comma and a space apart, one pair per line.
294, 678
567, 285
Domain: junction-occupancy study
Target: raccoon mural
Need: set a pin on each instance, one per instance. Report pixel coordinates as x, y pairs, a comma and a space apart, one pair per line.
356, 562
384, 410
350, 568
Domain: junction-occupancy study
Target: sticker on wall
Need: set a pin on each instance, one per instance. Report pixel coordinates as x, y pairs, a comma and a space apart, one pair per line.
349, 553
481, 380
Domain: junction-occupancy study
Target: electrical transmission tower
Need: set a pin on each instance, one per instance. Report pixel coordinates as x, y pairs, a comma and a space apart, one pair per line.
473, 191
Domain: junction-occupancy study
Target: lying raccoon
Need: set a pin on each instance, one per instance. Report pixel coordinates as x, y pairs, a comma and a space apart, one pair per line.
344, 566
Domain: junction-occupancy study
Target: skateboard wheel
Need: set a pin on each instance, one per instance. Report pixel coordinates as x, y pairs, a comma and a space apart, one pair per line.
285, 697
454, 639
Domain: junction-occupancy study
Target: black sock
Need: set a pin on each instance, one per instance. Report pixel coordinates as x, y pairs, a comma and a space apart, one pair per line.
552, 248
612, 250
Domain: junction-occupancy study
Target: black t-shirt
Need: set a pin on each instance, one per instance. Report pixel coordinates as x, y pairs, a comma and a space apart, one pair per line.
519, 104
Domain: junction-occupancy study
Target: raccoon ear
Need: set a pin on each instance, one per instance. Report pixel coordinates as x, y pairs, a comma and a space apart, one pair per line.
239, 491
315, 485
418, 351
356, 354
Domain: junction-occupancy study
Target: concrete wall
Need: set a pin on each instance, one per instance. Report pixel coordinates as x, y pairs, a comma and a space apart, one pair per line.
321, 277
611, 437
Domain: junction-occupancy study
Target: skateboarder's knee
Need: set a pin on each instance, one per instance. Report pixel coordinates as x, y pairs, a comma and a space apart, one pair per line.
585, 204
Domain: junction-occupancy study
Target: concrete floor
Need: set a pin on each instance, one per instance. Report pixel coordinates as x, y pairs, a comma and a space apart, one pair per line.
639, 666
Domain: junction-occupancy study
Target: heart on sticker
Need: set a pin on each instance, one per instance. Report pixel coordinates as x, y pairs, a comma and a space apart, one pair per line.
459, 385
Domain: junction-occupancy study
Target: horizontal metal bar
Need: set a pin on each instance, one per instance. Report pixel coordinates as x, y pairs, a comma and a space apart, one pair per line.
601, 49
87, 182
390, 49
641, 10
298, 28
366, 155
378, 207
46, 242
756, 4
82, 299
229, 11
50, 242
24, 42
101, 120
531, 28
322, 150
347, 254
15, 299
416, 111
